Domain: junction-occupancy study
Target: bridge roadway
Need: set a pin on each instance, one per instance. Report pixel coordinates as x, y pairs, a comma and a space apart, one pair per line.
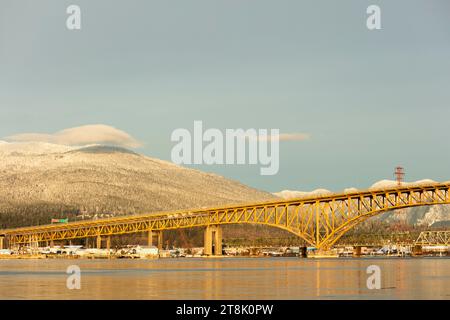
319, 221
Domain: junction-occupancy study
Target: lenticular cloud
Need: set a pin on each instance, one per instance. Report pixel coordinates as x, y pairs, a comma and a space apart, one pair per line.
83, 135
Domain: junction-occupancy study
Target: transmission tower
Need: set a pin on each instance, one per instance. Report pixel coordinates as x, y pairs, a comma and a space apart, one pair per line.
399, 175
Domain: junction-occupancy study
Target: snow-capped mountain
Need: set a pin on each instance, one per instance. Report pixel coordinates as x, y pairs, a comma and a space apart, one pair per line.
42, 180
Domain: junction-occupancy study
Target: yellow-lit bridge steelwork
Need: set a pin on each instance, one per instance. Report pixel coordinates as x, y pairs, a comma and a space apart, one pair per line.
433, 238
320, 221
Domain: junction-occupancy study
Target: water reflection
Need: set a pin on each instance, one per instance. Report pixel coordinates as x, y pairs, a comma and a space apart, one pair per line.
226, 278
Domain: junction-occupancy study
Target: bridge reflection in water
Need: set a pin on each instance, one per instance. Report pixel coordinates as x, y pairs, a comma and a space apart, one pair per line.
319, 221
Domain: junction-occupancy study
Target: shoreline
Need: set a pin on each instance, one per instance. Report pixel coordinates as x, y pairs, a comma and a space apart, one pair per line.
44, 257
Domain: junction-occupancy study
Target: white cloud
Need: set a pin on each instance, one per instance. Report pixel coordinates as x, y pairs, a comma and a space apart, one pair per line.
83, 135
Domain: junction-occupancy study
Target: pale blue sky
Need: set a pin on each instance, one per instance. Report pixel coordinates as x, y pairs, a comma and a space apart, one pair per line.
369, 99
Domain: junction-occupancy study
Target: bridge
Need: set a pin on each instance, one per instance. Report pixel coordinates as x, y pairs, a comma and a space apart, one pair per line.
320, 221
433, 238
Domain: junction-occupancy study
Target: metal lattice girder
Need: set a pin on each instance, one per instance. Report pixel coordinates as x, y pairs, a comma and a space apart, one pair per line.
434, 238
320, 221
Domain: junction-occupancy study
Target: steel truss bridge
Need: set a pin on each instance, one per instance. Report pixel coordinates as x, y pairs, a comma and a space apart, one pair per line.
433, 238
319, 221
377, 239
422, 238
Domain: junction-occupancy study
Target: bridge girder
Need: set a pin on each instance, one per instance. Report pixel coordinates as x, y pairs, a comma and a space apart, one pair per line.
433, 238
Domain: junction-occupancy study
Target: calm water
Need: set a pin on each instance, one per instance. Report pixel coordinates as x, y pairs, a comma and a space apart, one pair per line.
227, 278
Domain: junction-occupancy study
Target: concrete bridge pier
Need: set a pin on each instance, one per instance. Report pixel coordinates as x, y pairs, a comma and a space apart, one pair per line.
417, 250
34, 244
213, 240
99, 242
108, 243
100, 239
303, 252
159, 239
50, 243
357, 251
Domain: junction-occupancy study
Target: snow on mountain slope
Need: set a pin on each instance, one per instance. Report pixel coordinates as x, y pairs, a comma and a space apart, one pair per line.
31, 148
45, 178
288, 194
386, 184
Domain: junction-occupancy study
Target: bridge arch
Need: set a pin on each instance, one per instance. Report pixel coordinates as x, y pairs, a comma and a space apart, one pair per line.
333, 237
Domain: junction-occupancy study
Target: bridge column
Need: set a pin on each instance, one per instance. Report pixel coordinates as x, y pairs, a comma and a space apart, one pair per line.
218, 241
213, 236
207, 242
33, 243
159, 238
2, 237
303, 252
357, 251
108, 244
99, 242
417, 250
11, 243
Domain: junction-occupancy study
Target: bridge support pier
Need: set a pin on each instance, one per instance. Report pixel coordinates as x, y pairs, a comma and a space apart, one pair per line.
417, 250
34, 244
1, 242
357, 251
303, 252
99, 242
213, 238
159, 239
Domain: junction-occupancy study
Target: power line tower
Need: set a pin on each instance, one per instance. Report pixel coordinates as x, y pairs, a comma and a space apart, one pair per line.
399, 175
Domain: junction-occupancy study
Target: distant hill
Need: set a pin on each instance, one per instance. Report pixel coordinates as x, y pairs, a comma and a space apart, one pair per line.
39, 181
